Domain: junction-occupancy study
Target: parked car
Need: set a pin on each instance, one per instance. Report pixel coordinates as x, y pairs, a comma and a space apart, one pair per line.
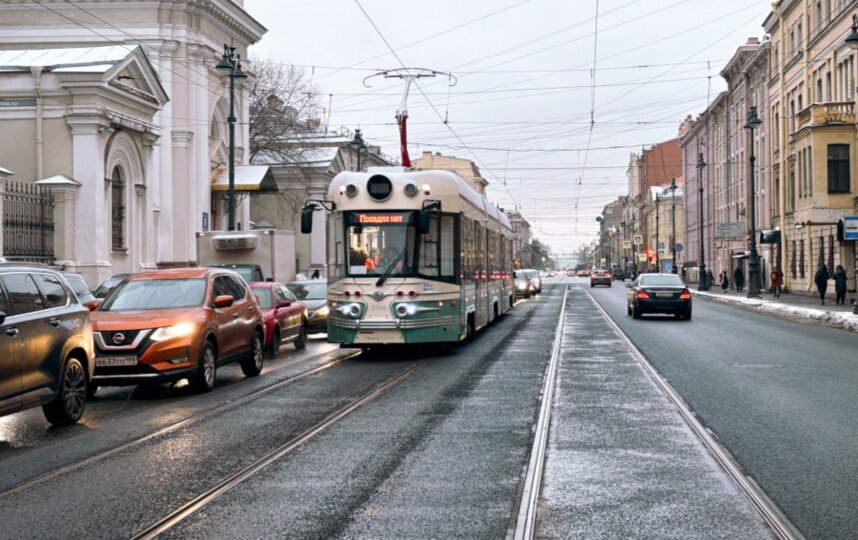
108, 285
79, 286
166, 325
46, 352
283, 315
659, 293
252, 273
524, 282
618, 274
314, 294
600, 277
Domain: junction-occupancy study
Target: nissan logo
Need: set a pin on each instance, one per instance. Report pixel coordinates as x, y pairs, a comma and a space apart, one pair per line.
118, 338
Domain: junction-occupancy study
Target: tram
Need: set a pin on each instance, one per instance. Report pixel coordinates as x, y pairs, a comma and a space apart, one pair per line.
413, 257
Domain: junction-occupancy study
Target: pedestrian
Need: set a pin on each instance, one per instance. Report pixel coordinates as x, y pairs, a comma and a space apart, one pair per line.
821, 279
710, 278
777, 281
738, 279
315, 274
725, 281
840, 278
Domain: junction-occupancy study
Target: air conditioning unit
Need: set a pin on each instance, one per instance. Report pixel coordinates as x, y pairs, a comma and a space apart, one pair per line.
235, 241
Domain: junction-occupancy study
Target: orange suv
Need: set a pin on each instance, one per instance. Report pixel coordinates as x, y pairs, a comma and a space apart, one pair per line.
167, 325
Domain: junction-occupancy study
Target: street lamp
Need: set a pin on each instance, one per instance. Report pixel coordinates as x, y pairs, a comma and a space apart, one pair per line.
231, 62
657, 235
358, 146
754, 284
703, 281
673, 221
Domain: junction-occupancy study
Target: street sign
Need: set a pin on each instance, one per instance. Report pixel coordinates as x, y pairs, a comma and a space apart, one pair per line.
638, 238
729, 230
850, 227
642, 257
661, 245
627, 244
661, 238
678, 247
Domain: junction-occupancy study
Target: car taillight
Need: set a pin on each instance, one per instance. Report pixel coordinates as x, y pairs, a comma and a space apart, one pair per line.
642, 294
686, 295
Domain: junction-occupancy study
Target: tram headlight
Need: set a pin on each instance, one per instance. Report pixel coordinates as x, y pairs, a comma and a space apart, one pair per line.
350, 310
405, 310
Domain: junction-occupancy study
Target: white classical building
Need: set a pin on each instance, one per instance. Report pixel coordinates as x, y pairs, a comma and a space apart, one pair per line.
118, 107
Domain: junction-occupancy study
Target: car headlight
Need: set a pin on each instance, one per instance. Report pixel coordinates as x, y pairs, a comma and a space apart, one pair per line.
321, 312
180, 330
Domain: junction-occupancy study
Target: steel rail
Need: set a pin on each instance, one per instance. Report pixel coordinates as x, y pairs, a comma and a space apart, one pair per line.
207, 413
525, 528
771, 514
207, 497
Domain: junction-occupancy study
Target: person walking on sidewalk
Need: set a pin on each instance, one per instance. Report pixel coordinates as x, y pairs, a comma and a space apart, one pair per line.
777, 281
738, 279
821, 279
725, 281
840, 278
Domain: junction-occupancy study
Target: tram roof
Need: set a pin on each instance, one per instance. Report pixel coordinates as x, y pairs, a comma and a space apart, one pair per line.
444, 183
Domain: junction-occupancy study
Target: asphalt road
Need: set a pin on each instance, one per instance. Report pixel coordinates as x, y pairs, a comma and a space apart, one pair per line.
780, 396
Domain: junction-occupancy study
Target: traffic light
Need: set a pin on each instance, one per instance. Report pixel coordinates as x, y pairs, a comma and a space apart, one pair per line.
650, 255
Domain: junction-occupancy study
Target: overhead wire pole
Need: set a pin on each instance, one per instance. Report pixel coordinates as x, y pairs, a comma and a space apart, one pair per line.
409, 75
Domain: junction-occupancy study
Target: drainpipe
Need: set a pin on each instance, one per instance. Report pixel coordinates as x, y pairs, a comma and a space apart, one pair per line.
36, 72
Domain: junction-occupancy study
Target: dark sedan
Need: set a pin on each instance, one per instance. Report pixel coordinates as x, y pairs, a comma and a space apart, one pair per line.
314, 294
659, 293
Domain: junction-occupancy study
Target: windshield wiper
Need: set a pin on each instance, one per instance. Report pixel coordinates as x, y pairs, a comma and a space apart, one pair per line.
390, 267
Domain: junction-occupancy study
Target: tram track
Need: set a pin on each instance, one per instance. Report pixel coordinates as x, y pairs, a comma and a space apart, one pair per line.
336, 358
205, 498
777, 522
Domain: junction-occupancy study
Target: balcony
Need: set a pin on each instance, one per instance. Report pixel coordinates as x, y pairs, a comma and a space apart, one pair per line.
822, 114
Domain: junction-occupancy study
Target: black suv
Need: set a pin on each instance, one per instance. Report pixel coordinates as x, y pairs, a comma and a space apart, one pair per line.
46, 351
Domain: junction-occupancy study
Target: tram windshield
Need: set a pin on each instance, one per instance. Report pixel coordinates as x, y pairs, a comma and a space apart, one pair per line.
380, 243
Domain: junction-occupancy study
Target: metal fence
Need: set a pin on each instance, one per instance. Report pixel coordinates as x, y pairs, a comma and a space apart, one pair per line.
28, 223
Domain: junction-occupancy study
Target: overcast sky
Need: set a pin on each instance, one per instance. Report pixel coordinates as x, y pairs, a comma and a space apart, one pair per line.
531, 74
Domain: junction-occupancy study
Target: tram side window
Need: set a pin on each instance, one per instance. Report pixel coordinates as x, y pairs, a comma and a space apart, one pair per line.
437, 251
336, 248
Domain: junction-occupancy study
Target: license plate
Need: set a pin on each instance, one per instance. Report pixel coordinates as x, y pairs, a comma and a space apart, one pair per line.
664, 294
113, 361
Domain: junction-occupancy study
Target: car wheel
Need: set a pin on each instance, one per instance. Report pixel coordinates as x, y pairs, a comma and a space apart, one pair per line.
688, 315
68, 406
636, 312
301, 340
204, 380
609, 284
592, 284
629, 310
251, 365
274, 347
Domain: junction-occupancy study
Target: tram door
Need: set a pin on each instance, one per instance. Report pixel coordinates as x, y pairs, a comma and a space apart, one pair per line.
482, 313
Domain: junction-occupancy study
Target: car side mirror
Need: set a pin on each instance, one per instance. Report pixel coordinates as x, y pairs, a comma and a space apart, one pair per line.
283, 303
307, 218
223, 301
92, 305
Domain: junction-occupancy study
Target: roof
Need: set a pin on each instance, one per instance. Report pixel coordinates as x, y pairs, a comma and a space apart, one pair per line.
247, 178
80, 59
172, 273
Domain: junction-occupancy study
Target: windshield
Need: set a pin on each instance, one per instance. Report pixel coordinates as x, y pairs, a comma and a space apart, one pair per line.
308, 291
380, 243
656, 281
264, 296
156, 294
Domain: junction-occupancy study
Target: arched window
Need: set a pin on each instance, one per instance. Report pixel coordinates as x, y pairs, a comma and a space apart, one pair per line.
117, 208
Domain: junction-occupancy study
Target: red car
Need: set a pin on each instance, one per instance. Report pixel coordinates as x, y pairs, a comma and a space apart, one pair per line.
284, 316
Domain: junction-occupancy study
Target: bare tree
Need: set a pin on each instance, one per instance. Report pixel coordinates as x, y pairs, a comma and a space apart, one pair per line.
284, 105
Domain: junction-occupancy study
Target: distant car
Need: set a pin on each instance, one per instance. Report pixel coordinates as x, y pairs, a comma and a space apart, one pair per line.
46, 352
283, 315
618, 274
108, 285
659, 293
79, 286
314, 294
583, 272
600, 277
524, 281
182, 323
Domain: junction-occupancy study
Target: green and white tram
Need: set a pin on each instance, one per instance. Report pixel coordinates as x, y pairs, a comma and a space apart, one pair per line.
413, 257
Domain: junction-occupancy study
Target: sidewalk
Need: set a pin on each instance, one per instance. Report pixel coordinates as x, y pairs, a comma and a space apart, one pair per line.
793, 307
